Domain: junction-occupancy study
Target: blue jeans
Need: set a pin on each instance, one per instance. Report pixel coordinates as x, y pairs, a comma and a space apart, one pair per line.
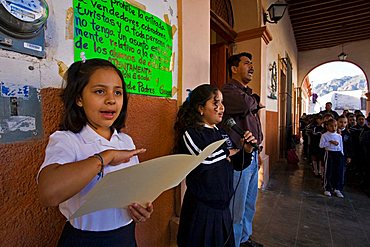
243, 205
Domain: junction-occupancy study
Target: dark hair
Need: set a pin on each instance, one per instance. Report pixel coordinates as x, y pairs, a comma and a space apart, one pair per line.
342, 116
358, 112
330, 121
234, 60
188, 114
350, 115
329, 103
327, 114
78, 76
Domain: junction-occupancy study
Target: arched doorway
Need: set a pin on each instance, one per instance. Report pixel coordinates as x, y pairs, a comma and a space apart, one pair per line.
342, 83
222, 36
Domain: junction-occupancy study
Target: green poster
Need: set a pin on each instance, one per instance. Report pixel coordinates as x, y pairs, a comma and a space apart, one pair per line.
138, 43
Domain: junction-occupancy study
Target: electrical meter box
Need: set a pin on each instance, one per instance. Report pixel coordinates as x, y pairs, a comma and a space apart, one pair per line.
22, 25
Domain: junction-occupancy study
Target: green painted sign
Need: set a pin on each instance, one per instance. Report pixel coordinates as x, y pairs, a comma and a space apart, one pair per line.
138, 43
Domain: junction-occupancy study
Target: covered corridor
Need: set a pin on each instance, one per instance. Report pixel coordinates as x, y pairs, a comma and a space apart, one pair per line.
292, 211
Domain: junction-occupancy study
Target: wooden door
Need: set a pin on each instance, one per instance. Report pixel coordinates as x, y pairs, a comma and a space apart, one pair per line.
282, 117
219, 56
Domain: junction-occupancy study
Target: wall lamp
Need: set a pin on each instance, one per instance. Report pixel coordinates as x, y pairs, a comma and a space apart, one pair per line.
274, 13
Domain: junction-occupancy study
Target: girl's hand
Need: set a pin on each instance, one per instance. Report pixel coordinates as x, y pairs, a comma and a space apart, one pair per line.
335, 143
249, 138
140, 214
116, 157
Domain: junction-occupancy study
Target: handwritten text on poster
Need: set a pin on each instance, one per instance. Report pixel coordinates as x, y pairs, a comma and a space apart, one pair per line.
138, 43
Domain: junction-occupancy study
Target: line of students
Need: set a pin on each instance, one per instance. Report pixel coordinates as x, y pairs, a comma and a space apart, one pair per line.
336, 149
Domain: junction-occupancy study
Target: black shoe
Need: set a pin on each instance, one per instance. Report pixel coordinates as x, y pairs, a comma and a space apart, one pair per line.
250, 243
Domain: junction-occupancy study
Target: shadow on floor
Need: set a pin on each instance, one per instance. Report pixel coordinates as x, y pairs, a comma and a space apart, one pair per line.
293, 211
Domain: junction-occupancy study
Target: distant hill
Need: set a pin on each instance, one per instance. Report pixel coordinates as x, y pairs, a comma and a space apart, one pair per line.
346, 83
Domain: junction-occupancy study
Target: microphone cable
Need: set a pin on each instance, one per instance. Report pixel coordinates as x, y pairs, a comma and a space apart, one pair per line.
233, 197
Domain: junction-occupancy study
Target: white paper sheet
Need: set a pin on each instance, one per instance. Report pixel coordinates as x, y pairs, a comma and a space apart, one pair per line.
142, 183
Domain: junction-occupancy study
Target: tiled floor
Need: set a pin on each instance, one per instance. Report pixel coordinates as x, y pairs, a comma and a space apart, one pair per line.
293, 211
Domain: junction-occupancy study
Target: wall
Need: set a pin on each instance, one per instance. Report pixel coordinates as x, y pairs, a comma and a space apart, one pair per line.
281, 46
24, 222
246, 14
20, 210
195, 33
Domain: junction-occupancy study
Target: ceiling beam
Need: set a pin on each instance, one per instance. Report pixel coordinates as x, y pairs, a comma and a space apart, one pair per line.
331, 29
340, 21
334, 39
304, 4
326, 23
327, 10
305, 47
318, 14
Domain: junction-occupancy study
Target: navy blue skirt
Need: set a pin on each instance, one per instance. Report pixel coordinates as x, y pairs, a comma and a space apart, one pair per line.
123, 236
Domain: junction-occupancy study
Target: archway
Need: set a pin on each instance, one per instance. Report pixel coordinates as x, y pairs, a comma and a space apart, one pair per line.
342, 83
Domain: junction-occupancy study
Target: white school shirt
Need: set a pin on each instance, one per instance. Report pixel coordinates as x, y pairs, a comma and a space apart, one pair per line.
65, 147
329, 136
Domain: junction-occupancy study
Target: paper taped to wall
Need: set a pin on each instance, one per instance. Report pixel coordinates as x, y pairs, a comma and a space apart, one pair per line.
142, 183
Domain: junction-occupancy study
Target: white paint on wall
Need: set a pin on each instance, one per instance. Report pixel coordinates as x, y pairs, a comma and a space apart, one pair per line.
19, 69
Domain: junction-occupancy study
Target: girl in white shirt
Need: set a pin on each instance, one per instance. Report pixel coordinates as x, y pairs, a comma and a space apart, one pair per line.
88, 145
333, 159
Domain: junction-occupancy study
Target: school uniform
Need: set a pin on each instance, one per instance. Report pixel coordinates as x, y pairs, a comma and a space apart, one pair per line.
205, 218
317, 153
357, 159
347, 143
334, 161
347, 149
65, 147
365, 145
317, 131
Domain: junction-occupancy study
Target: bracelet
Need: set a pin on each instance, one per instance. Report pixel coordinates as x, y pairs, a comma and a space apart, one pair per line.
101, 172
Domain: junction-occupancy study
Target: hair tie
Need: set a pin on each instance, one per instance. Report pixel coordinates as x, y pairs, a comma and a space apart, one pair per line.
189, 95
83, 57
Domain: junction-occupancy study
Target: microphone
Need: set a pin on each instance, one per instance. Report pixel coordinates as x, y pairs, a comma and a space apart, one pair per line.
230, 123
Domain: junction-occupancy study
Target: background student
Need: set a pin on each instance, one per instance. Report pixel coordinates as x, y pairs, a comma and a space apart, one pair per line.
334, 159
